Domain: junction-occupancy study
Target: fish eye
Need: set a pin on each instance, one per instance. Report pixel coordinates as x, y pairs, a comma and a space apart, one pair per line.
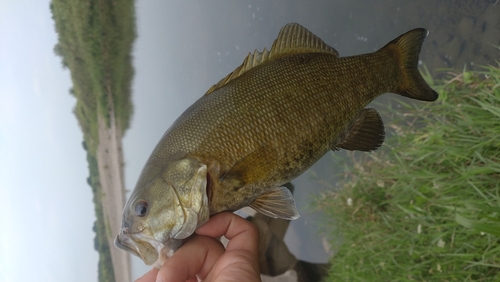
141, 208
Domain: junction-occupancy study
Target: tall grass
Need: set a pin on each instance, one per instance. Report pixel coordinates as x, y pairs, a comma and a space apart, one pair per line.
428, 208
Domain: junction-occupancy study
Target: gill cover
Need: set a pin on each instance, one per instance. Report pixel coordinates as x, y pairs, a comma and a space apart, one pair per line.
189, 180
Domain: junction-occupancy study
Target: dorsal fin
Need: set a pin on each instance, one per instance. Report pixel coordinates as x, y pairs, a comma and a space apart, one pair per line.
250, 61
292, 39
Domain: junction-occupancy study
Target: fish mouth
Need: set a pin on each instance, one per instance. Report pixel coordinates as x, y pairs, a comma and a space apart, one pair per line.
124, 244
151, 251
124, 241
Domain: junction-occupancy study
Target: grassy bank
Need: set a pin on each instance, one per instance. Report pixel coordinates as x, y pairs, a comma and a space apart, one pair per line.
105, 267
426, 209
95, 44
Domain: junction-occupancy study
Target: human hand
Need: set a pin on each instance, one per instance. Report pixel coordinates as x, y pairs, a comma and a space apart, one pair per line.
204, 257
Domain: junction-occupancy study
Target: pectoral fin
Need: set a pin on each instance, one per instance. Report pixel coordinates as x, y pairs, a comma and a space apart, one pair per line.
366, 134
255, 166
277, 203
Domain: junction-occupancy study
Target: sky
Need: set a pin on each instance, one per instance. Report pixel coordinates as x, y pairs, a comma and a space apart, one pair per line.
182, 48
46, 209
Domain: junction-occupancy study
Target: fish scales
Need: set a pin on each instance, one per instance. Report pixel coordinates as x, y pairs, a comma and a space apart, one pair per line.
260, 127
299, 104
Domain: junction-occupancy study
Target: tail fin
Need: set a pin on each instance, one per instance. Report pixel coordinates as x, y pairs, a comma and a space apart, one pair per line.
407, 48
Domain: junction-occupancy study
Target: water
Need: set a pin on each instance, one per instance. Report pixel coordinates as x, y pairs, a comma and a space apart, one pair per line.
184, 47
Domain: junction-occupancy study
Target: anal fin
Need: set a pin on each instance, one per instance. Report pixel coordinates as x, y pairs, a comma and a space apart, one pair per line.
277, 203
366, 134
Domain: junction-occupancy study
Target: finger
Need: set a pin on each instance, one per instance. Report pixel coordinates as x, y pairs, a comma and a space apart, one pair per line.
242, 250
241, 233
196, 257
149, 276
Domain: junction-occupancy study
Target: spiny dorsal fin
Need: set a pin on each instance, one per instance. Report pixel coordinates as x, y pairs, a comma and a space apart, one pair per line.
250, 61
277, 203
292, 39
366, 134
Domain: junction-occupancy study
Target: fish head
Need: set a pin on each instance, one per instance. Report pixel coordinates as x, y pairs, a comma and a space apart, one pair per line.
159, 215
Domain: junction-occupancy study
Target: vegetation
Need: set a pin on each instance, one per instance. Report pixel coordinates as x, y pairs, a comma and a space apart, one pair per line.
95, 43
101, 245
427, 209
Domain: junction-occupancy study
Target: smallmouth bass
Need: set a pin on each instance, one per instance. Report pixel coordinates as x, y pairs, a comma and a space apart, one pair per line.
260, 127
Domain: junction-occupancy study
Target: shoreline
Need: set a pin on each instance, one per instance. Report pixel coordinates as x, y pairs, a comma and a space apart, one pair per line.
110, 163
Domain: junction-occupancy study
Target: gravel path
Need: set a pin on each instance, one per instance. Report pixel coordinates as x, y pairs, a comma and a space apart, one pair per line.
110, 162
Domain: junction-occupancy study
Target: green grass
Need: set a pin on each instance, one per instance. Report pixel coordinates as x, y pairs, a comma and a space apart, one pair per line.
428, 207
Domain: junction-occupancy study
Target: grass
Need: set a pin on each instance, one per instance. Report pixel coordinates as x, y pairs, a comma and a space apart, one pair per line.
428, 207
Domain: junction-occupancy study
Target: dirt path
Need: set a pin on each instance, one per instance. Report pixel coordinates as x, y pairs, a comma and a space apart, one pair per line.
110, 162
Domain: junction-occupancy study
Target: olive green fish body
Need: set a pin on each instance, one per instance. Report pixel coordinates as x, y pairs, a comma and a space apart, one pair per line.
259, 128
290, 111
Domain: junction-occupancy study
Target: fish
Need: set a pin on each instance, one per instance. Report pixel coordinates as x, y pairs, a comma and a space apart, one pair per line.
260, 127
